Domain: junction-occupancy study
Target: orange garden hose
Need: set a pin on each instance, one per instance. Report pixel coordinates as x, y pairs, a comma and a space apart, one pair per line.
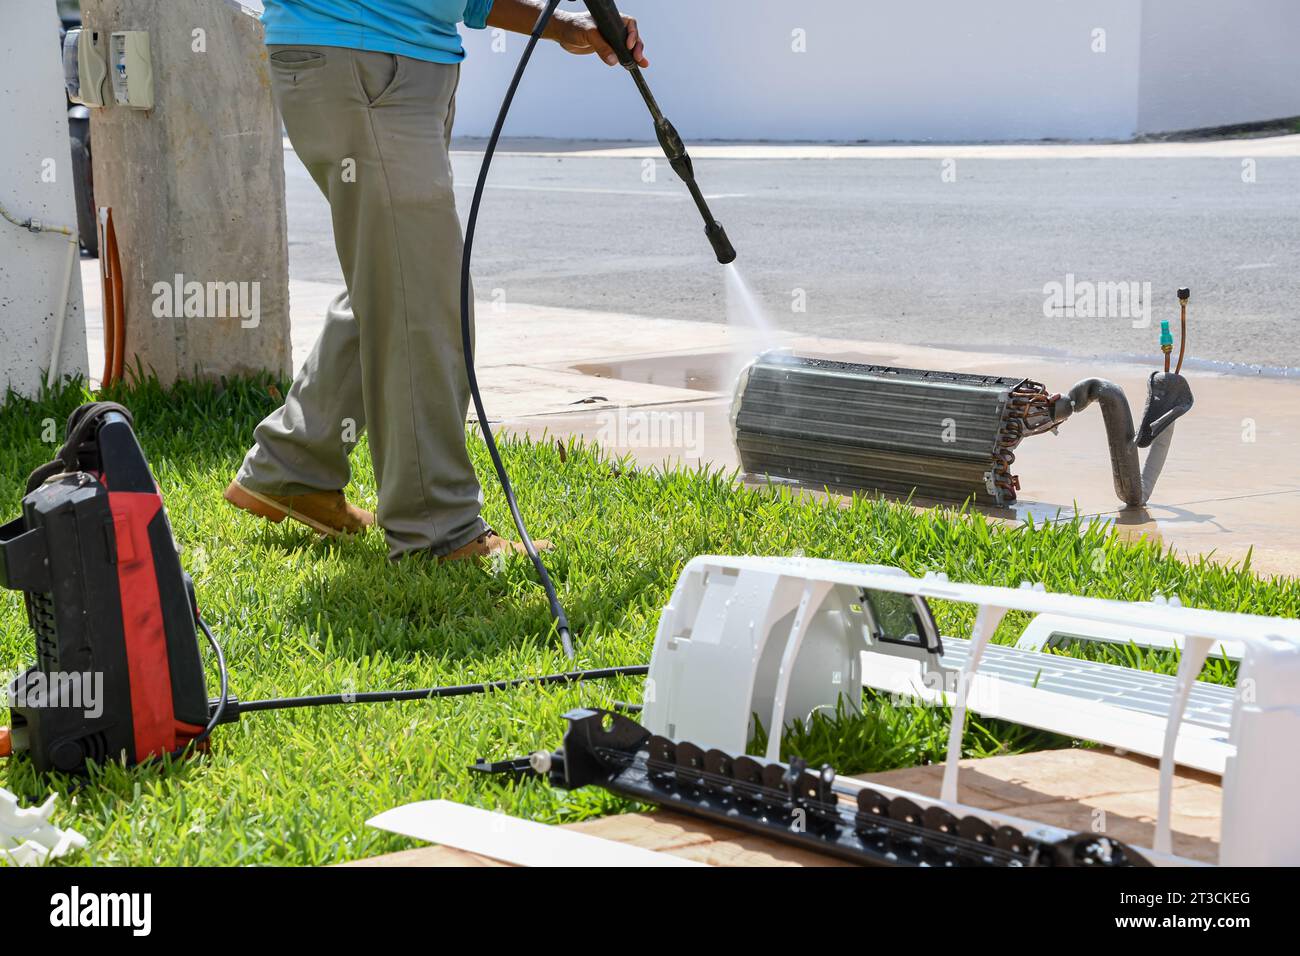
110, 270
119, 304
106, 298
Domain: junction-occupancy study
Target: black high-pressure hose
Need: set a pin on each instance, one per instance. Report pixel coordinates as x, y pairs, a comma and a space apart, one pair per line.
611, 26
431, 693
467, 335
610, 23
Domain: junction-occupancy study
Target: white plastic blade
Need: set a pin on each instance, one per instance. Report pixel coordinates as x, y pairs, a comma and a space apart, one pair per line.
512, 840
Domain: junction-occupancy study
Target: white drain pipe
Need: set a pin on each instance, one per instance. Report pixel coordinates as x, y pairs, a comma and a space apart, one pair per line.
61, 316
36, 227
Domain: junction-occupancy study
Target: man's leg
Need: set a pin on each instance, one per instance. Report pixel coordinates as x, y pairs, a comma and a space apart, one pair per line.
372, 128
403, 262
302, 447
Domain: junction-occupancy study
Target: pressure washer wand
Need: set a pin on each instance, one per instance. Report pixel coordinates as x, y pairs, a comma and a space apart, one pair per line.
611, 26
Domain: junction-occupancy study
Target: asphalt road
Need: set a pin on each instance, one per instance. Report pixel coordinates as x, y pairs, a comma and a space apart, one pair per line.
886, 249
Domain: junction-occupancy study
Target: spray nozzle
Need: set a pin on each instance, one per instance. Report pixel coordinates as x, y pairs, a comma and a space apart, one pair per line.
611, 26
722, 246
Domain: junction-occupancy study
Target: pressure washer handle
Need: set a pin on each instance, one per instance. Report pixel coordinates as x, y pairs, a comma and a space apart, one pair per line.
614, 30
611, 26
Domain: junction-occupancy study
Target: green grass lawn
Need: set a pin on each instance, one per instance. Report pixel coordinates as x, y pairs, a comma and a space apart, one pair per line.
301, 616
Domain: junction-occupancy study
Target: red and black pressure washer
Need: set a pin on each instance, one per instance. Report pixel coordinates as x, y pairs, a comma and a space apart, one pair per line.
94, 556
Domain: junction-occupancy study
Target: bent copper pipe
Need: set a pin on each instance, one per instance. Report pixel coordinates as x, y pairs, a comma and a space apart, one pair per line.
1133, 483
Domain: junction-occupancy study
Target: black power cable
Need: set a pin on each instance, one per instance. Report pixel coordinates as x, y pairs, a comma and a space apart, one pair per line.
223, 702
227, 708
430, 693
219, 710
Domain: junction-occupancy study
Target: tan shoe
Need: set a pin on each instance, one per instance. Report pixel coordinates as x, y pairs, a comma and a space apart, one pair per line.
328, 512
489, 545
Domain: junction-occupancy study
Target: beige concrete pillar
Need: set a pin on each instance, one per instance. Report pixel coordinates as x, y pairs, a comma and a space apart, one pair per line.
196, 185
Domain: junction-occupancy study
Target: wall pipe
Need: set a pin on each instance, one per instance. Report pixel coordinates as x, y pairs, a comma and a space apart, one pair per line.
61, 316
36, 227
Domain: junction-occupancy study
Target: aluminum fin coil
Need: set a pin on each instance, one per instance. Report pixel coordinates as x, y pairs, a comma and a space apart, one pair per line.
943, 435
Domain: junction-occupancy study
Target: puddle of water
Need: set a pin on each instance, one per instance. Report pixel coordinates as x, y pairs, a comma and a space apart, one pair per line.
707, 372
699, 371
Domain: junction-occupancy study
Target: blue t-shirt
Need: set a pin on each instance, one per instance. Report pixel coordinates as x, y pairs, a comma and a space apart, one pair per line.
422, 29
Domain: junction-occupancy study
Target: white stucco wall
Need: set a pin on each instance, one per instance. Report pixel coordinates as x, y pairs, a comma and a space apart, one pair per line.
33, 141
922, 70
1218, 64
938, 69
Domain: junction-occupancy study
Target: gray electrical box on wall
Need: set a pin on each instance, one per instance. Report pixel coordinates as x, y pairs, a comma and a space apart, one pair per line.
85, 66
132, 69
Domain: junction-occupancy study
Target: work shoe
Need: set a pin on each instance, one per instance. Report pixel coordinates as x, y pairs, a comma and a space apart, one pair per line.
489, 545
328, 512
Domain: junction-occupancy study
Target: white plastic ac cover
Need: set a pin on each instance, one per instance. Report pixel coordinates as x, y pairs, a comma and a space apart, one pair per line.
778, 638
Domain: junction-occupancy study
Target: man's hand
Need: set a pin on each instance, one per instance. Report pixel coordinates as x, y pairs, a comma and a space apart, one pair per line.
577, 33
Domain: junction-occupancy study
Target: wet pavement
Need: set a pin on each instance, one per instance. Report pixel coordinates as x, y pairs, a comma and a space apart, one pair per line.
660, 391
1231, 485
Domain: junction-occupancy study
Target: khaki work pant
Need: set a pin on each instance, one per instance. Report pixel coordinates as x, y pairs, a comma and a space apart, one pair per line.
374, 130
